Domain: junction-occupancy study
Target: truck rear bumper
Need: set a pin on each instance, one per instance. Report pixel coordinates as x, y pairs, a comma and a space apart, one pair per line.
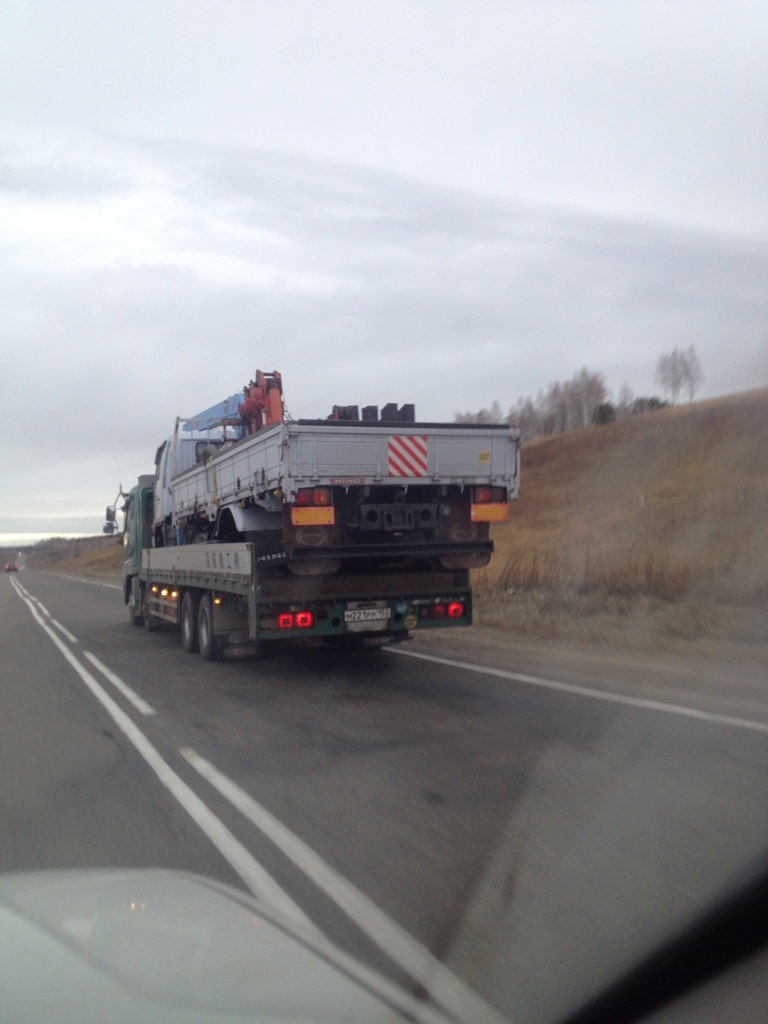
393, 550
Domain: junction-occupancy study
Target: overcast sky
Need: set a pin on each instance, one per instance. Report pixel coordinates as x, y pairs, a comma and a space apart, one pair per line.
429, 201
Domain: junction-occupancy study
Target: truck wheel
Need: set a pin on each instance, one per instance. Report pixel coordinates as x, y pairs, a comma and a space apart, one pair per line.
209, 645
189, 614
134, 604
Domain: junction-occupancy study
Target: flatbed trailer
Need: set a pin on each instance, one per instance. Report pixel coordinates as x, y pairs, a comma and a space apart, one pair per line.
221, 600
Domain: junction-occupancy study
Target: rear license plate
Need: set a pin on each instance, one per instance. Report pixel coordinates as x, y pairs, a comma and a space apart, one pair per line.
367, 615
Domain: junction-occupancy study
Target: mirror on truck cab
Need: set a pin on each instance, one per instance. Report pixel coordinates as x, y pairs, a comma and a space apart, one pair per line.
110, 526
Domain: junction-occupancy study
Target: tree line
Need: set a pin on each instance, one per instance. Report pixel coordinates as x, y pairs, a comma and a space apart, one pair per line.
584, 399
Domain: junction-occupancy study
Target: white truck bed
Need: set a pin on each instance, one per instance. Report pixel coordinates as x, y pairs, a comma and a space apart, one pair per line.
314, 453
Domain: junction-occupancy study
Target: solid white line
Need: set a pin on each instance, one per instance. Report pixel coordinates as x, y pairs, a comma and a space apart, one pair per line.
588, 691
96, 583
443, 985
261, 884
72, 639
117, 682
64, 630
83, 579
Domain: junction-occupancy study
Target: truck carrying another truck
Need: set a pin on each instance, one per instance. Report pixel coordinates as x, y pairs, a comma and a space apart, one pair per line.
360, 526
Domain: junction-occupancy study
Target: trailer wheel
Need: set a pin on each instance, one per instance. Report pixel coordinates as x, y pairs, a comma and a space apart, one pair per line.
189, 613
209, 645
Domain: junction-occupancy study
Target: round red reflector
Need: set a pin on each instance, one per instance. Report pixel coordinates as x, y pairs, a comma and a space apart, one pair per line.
455, 610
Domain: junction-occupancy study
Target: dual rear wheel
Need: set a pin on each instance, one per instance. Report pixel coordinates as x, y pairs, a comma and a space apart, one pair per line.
197, 626
189, 609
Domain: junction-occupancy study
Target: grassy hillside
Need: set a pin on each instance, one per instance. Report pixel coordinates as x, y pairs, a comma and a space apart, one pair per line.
664, 515
91, 556
655, 526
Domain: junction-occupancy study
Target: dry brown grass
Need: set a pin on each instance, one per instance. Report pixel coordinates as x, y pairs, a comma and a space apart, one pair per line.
91, 556
667, 509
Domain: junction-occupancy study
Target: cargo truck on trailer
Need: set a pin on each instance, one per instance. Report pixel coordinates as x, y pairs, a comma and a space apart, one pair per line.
256, 528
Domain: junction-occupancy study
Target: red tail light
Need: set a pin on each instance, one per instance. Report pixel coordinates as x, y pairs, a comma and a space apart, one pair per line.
488, 495
318, 496
443, 610
296, 620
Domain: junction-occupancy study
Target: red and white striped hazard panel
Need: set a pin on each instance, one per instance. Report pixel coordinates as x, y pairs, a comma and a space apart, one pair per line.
407, 455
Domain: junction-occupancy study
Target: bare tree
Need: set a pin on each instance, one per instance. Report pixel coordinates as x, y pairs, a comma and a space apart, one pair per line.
694, 375
492, 415
670, 373
590, 392
624, 402
554, 408
465, 417
565, 405
527, 418
571, 404
679, 370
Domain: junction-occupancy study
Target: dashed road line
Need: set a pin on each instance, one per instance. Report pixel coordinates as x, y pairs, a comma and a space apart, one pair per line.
445, 987
256, 878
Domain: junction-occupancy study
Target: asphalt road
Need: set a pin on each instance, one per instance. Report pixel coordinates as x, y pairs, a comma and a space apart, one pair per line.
530, 824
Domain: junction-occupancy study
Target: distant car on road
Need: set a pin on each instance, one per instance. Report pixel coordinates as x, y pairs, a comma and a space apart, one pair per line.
11, 567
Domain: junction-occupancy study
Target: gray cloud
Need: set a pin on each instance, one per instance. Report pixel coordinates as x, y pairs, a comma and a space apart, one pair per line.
143, 280
651, 108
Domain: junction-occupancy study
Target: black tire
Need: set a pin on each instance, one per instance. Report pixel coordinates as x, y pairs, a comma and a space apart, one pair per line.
135, 616
189, 613
209, 645
151, 624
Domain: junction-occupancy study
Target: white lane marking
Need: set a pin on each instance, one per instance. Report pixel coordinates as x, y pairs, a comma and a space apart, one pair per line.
96, 583
93, 582
82, 579
31, 597
448, 990
64, 631
252, 873
117, 682
588, 691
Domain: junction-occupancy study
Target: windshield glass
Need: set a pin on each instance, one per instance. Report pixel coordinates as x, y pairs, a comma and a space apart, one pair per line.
441, 630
